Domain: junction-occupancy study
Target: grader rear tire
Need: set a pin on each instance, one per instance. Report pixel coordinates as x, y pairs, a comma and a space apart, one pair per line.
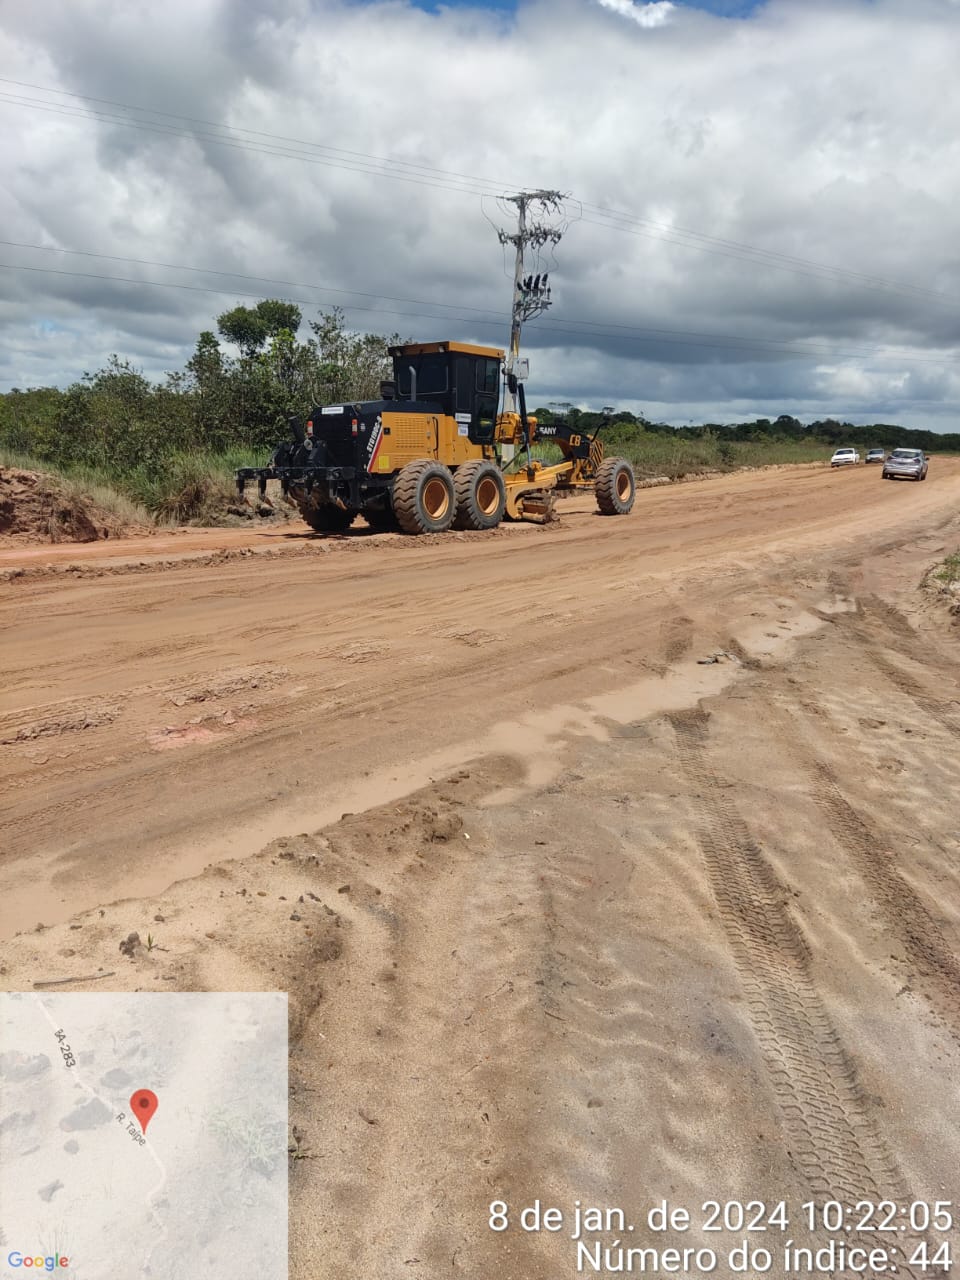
328, 519
424, 497
382, 521
481, 495
616, 487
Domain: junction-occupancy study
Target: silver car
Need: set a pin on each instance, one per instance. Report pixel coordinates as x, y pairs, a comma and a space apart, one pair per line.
906, 464
876, 455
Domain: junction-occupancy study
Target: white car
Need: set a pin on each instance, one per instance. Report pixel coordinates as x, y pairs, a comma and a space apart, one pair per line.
845, 458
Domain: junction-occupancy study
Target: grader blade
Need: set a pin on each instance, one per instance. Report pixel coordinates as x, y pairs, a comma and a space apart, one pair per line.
539, 507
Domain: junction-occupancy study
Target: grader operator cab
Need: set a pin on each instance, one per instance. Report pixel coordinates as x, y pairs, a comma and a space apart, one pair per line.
434, 453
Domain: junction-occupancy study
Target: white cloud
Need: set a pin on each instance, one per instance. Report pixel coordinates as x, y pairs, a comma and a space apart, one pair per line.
824, 131
653, 14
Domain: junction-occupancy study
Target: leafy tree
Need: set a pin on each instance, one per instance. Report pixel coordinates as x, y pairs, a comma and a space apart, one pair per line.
249, 328
244, 328
278, 316
207, 383
350, 366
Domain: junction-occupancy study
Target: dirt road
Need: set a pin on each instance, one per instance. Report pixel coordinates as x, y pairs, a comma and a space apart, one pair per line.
604, 923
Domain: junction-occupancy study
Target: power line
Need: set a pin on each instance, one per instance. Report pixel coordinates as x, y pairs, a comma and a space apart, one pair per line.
239, 145
886, 352
275, 137
236, 275
426, 175
634, 220
765, 346
428, 302
768, 258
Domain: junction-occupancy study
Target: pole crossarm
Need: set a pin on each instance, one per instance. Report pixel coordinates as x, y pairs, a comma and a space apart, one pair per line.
531, 288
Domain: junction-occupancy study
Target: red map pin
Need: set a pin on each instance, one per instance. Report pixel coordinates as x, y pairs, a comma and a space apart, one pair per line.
143, 1104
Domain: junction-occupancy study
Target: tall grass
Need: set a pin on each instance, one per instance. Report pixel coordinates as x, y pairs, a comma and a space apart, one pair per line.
199, 487
949, 570
653, 454
86, 484
187, 488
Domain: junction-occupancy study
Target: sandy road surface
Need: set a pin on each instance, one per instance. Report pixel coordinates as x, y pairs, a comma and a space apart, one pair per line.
605, 924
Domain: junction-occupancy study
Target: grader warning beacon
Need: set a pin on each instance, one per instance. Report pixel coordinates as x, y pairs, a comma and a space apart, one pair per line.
434, 453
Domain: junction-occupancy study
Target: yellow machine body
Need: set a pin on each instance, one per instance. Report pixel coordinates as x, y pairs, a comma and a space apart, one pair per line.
409, 436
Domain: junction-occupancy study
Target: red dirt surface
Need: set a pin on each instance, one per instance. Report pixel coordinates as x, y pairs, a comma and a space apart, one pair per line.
614, 861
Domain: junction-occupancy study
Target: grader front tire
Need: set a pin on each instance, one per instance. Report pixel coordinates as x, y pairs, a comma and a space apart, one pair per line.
424, 498
616, 487
481, 496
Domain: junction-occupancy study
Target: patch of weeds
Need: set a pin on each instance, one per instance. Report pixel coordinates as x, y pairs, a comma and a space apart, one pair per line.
949, 570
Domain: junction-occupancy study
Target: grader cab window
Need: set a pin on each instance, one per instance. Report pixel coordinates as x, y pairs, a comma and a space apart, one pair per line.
488, 376
464, 383
431, 373
487, 400
485, 420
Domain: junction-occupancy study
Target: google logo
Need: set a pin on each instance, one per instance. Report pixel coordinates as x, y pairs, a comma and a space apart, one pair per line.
44, 1264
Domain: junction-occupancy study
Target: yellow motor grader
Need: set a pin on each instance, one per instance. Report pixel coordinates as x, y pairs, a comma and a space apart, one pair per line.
435, 453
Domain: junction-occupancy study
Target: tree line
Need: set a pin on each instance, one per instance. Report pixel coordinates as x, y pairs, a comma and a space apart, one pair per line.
828, 431
118, 419
221, 403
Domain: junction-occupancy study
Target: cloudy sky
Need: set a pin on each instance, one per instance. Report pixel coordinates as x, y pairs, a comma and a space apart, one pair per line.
762, 196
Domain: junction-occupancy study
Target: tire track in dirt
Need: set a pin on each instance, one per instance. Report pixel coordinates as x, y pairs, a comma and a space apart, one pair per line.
677, 638
438, 951
905, 683
903, 911
613, 1070
597, 988
831, 1134
873, 614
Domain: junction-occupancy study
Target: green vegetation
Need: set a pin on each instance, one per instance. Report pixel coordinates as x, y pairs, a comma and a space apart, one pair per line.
656, 454
674, 456
660, 449
170, 449
949, 570
85, 484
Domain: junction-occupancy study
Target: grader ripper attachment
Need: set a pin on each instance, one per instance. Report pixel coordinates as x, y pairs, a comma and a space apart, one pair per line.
434, 453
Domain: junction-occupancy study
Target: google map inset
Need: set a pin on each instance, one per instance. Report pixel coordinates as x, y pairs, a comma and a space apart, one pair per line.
143, 1135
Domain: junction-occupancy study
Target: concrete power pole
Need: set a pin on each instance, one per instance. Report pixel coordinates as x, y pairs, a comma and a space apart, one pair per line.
531, 294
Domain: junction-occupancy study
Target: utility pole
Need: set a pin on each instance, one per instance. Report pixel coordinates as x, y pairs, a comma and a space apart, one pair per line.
531, 293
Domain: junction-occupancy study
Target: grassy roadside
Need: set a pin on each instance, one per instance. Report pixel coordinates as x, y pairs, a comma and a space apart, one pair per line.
660, 455
198, 488
194, 488
85, 485
942, 582
653, 454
